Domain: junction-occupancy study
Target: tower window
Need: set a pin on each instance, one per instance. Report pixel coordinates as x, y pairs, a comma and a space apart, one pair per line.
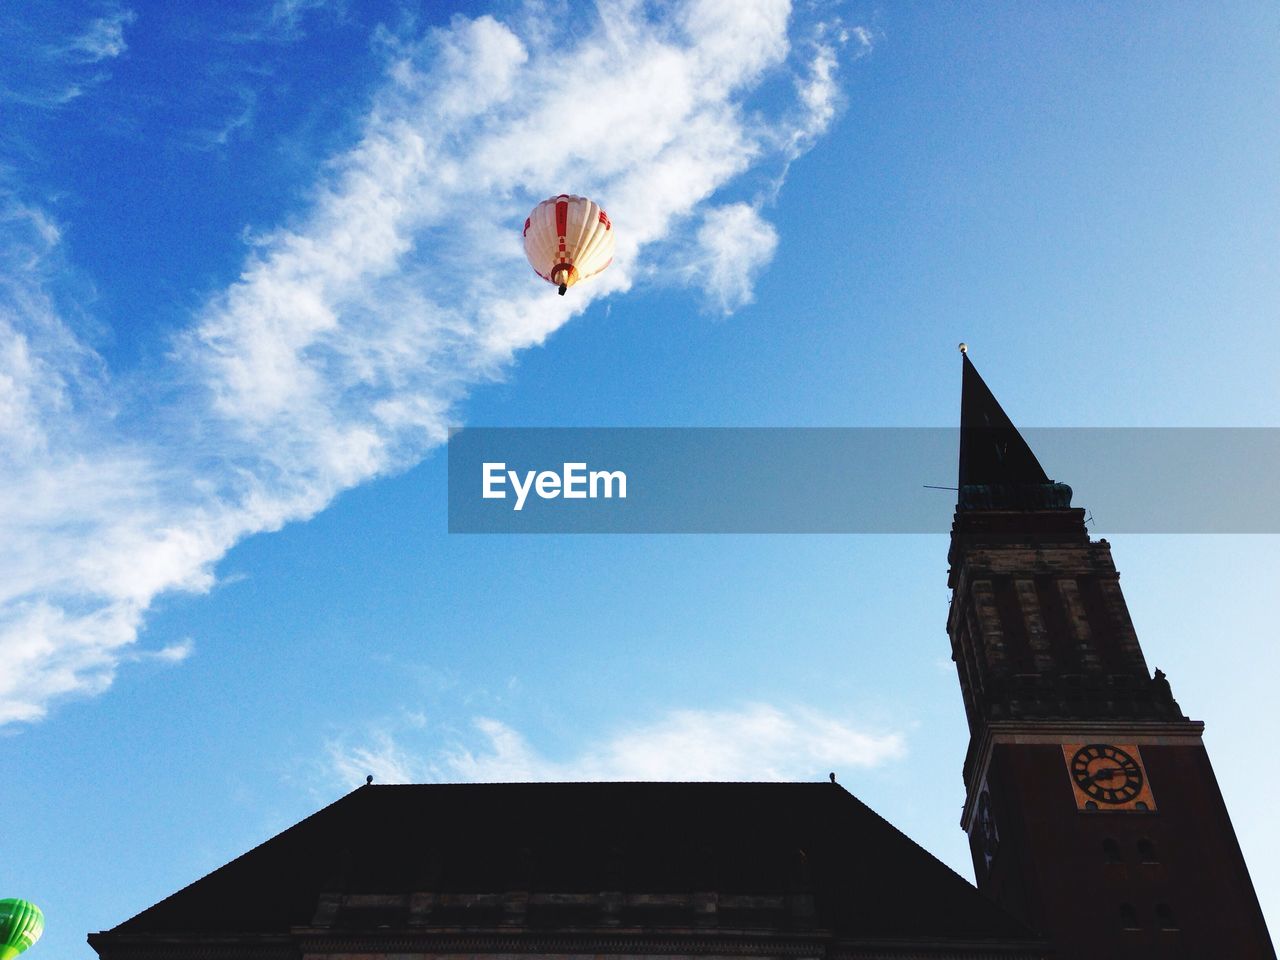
1164, 914
1147, 851
1128, 917
1111, 851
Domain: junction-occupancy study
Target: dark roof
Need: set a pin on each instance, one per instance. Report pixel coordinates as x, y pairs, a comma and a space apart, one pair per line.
867, 878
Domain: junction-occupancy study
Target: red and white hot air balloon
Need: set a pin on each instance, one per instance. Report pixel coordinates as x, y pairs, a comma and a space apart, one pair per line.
568, 239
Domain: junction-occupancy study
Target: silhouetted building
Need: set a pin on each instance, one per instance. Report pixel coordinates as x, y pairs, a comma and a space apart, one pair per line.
580, 869
1092, 811
1096, 825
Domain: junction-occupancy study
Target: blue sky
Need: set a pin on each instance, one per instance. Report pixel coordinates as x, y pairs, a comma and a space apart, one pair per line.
256, 258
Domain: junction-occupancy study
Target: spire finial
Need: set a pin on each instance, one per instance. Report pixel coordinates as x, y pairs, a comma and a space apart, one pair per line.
964, 347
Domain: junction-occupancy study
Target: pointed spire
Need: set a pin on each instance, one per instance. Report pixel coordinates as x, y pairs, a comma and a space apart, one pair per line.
991, 449
998, 470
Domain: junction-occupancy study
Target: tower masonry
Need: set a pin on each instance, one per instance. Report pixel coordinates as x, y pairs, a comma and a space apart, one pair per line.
1091, 808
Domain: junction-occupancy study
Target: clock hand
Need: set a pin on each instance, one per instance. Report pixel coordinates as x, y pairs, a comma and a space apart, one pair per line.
1106, 773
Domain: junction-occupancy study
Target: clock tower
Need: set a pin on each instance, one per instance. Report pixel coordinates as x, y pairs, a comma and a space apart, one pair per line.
1091, 807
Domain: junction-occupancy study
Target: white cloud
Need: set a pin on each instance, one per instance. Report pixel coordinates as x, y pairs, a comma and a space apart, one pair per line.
733, 244
284, 18
173, 653
818, 92
383, 759
338, 353
236, 125
57, 71
756, 742
103, 38
864, 38
43, 364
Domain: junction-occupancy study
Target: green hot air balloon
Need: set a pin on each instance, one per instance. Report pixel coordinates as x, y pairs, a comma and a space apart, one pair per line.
21, 924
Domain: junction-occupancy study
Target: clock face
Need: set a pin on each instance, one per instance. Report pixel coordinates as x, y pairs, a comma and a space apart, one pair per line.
1106, 773
987, 827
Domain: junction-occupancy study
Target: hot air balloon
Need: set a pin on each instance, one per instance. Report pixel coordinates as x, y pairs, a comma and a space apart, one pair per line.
568, 239
21, 924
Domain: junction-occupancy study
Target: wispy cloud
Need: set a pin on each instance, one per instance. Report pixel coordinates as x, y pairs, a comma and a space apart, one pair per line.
817, 87
173, 653
45, 72
278, 22
236, 124
284, 18
337, 354
755, 742
381, 758
102, 39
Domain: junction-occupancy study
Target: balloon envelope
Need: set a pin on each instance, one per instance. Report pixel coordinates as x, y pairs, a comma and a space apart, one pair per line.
567, 239
21, 924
